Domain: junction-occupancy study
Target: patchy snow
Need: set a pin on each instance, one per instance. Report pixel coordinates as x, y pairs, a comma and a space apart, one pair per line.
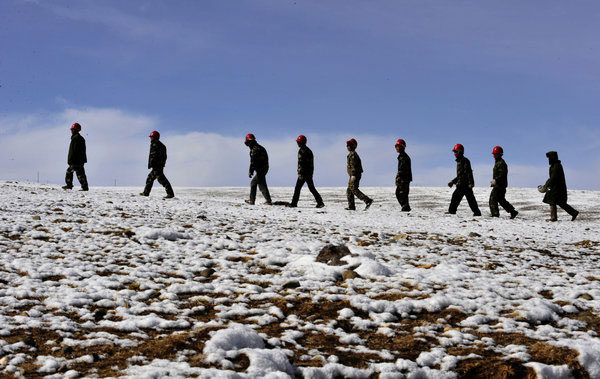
108, 283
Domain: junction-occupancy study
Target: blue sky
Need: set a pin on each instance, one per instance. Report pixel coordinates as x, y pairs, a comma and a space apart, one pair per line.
524, 75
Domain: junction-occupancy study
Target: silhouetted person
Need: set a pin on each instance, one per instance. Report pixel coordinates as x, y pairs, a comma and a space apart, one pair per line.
306, 169
556, 188
259, 163
156, 161
76, 159
464, 182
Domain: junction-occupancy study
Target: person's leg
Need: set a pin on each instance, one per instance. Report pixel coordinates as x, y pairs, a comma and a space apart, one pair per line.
472, 202
402, 196
313, 190
504, 203
264, 189
553, 215
350, 194
358, 193
80, 171
162, 179
457, 196
149, 182
570, 210
297, 189
494, 210
253, 185
69, 178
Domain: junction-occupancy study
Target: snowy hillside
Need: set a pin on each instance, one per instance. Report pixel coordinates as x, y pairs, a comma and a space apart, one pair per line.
109, 283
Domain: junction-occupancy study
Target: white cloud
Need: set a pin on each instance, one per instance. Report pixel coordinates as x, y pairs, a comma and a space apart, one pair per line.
117, 143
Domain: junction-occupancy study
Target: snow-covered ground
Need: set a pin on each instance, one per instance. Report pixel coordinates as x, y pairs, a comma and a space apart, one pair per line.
108, 283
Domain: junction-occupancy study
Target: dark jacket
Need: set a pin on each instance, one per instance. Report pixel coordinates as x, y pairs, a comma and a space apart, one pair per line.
556, 185
354, 165
77, 156
500, 174
259, 159
158, 155
306, 166
464, 173
404, 174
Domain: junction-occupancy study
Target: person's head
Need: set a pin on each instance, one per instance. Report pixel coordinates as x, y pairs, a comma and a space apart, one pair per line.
250, 140
301, 140
75, 128
400, 145
154, 136
458, 150
552, 156
497, 152
351, 144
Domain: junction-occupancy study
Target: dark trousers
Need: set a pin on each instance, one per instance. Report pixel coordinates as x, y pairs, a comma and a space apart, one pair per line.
80, 171
402, 190
260, 180
157, 174
498, 196
457, 196
567, 208
353, 190
311, 187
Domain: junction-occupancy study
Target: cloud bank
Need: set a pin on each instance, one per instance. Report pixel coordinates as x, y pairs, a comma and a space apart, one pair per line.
118, 144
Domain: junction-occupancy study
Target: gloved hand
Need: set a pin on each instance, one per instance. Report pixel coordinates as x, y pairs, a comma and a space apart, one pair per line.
249, 174
542, 188
493, 182
471, 186
450, 184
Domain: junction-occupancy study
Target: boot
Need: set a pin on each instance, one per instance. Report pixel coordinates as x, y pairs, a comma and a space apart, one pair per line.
67, 187
574, 215
320, 205
251, 202
368, 203
170, 193
553, 217
513, 214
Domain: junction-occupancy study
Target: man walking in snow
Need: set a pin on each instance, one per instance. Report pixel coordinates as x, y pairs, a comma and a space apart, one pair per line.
354, 168
499, 184
556, 188
403, 176
464, 182
156, 161
306, 168
259, 163
76, 159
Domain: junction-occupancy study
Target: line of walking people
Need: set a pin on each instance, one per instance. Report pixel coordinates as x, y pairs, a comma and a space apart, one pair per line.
555, 188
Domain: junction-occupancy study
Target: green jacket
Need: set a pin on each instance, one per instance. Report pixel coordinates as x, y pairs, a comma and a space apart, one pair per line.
306, 166
464, 173
259, 159
158, 155
77, 155
404, 174
500, 174
557, 185
354, 165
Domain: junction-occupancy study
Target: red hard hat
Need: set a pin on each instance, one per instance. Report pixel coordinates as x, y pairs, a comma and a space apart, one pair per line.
459, 147
498, 150
352, 141
400, 142
76, 126
249, 137
301, 139
154, 134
